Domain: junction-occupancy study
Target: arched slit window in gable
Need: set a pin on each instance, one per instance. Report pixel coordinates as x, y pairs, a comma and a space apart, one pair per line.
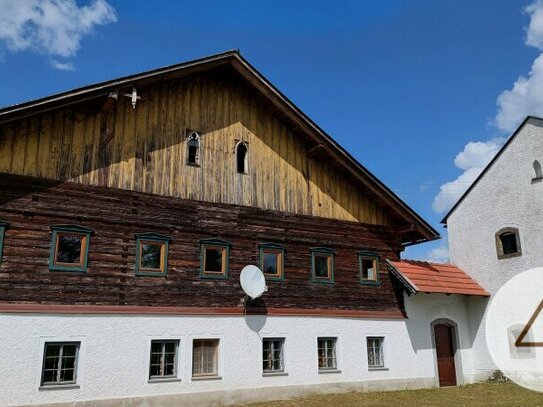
242, 158
193, 148
537, 171
508, 243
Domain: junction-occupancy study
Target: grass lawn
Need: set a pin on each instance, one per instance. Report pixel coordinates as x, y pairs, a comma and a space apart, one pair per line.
482, 394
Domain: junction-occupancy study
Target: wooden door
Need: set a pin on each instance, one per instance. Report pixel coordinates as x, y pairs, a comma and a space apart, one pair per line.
445, 354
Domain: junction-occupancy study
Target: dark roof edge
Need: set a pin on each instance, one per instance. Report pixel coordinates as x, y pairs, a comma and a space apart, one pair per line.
482, 174
409, 286
234, 57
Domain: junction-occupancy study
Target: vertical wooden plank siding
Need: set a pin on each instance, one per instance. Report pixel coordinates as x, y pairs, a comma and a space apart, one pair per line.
144, 149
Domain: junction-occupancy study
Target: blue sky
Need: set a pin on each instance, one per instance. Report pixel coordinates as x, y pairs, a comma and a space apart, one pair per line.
403, 85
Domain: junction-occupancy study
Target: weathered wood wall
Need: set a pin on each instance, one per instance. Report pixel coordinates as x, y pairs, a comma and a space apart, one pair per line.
144, 149
31, 206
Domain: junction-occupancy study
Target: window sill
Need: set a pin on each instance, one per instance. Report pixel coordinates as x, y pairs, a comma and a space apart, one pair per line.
537, 179
164, 380
377, 368
272, 374
329, 371
206, 378
71, 386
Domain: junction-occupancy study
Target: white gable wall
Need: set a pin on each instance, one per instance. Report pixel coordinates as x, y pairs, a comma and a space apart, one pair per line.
504, 196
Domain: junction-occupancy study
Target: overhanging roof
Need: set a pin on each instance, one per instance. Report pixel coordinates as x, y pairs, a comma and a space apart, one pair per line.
416, 229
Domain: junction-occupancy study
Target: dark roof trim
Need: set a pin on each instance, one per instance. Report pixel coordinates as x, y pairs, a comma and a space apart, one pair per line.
482, 174
423, 229
408, 285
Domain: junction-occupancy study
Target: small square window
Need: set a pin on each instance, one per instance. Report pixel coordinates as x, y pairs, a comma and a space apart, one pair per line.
271, 261
69, 248
327, 353
59, 363
151, 254
322, 265
508, 243
375, 352
163, 362
369, 268
205, 355
272, 355
214, 258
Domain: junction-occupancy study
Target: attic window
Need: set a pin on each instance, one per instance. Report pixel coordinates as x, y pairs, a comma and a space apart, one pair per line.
508, 243
193, 148
242, 158
69, 248
368, 265
151, 254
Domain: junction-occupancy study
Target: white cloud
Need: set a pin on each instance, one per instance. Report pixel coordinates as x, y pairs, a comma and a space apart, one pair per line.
62, 66
53, 27
526, 96
513, 105
439, 255
473, 159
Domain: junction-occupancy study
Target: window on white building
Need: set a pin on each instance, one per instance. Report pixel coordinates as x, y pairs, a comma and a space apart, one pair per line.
272, 355
375, 352
163, 362
508, 243
59, 363
205, 355
327, 353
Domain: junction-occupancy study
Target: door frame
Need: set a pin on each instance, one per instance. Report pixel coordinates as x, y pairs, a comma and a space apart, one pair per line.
455, 343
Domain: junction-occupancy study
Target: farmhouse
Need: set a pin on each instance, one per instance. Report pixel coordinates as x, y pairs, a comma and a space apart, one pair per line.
127, 211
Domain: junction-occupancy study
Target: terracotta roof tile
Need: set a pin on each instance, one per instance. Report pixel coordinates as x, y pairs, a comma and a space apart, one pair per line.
428, 277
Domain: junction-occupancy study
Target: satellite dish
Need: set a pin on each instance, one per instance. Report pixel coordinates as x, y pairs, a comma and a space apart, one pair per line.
252, 281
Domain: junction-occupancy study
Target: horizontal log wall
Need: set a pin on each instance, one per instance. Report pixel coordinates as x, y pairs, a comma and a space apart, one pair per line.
144, 149
31, 206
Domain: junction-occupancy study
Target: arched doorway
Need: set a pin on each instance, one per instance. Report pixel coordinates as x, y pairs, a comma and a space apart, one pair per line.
444, 337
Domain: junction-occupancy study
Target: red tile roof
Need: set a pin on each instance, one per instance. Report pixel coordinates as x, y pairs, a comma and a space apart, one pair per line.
423, 276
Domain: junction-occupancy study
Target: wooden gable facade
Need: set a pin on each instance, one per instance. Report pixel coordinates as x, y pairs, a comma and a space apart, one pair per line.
91, 158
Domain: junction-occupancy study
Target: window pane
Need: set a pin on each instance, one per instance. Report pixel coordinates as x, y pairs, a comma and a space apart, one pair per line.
59, 363
204, 357
151, 254
49, 376
69, 248
270, 264
193, 152
368, 269
52, 350
509, 243
375, 352
163, 356
213, 259
321, 266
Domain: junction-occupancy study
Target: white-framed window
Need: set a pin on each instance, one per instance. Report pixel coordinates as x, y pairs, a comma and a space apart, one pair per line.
326, 348
273, 355
193, 148
205, 358
376, 355
60, 363
163, 359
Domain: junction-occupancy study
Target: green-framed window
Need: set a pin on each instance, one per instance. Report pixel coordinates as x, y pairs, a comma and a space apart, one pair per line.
3, 227
151, 254
214, 258
322, 265
69, 248
368, 267
272, 261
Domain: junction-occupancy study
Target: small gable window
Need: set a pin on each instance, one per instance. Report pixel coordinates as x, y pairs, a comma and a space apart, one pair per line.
368, 263
3, 226
214, 254
271, 261
151, 254
193, 148
242, 157
508, 243
69, 248
322, 265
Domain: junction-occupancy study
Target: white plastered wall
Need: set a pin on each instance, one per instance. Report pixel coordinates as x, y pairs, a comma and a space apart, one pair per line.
504, 197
